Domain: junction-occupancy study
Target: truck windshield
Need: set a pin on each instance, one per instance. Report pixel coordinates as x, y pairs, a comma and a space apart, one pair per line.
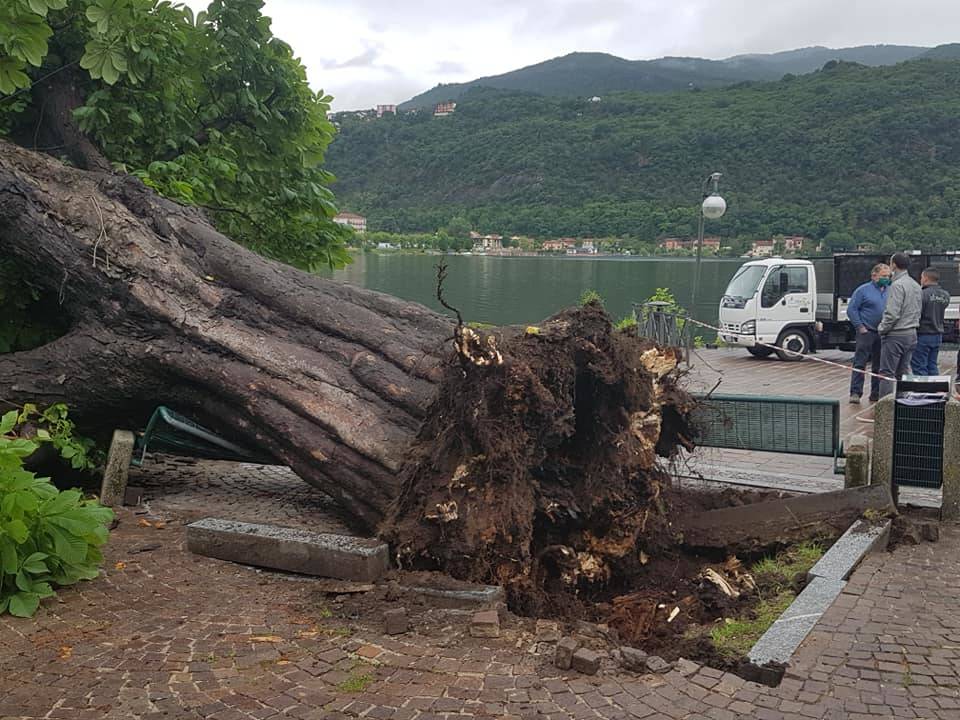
745, 282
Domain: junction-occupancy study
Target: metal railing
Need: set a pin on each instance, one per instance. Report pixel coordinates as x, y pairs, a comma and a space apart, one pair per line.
665, 326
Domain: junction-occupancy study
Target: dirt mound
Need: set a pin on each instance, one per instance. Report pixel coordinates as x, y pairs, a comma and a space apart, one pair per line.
538, 467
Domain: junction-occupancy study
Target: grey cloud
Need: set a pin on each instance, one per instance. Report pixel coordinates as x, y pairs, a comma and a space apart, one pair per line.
449, 67
367, 58
499, 35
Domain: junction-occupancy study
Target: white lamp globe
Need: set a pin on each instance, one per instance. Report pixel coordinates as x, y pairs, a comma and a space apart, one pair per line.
714, 207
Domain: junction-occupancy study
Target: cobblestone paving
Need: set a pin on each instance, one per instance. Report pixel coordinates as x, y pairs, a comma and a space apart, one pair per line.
165, 634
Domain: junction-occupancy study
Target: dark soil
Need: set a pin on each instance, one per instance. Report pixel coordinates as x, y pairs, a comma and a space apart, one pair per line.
543, 474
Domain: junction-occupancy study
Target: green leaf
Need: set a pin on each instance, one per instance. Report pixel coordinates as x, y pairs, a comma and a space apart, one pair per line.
35, 564
24, 604
26, 38
8, 421
8, 557
69, 547
17, 530
61, 503
40, 7
105, 60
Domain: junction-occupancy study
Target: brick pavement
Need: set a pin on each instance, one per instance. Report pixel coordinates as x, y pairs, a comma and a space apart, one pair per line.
165, 634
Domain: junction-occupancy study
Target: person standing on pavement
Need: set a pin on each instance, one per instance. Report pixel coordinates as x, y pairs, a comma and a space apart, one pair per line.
930, 332
865, 311
898, 328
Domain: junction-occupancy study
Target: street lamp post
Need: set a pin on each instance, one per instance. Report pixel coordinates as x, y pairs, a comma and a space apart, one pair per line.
712, 206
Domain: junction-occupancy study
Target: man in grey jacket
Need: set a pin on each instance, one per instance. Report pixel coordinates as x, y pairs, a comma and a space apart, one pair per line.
898, 328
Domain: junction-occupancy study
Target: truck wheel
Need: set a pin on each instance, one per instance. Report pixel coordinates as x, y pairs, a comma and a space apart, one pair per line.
760, 351
795, 340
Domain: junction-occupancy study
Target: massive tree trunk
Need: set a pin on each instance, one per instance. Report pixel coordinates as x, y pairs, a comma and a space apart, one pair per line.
330, 379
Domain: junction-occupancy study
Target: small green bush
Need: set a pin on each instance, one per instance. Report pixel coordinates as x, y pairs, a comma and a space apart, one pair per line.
590, 296
626, 323
47, 537
52, 424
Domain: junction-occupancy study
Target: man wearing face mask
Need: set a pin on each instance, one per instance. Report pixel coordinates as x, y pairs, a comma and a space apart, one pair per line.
865, 311
898, 328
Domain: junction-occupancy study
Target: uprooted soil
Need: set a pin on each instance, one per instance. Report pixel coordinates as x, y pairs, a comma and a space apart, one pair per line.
541, 469
538, 468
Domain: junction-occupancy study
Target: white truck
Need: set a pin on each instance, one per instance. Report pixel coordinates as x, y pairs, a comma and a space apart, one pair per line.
800, 305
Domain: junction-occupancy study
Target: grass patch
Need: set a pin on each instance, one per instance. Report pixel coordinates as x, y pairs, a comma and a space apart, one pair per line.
734, 638
356, 683
776, 574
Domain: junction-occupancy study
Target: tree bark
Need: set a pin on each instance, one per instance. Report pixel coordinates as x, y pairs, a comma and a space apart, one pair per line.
330, 379
56, 131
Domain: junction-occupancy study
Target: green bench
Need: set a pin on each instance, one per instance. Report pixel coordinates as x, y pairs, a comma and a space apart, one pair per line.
785, 424
171, 433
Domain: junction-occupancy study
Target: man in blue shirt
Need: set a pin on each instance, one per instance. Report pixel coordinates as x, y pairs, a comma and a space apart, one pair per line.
865, 310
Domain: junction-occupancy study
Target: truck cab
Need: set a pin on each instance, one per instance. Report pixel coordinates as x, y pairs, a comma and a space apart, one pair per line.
800, 306
771, 301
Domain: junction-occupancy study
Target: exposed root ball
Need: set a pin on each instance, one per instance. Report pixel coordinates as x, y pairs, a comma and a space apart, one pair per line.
540, 472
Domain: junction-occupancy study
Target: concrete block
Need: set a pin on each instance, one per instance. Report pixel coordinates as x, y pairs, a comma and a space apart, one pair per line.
395, 621
563, 657
114, 485
133, 495
485, 624
294, 550
633, 659
781, 639
950, 506
657, 664
881, 470
547, 631
586, 661
857, 468
930, 531
860, 539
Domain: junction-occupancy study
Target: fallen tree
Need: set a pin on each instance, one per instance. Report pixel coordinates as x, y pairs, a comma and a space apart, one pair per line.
333, 380
532, 444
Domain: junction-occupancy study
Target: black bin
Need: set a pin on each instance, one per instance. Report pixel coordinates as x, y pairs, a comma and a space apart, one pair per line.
918, 421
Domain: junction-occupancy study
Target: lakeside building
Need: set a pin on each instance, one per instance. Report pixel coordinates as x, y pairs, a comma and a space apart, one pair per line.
709, 243
559, 245
486, 243
357, 222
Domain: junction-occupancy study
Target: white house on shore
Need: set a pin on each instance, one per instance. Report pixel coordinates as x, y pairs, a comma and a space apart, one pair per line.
357, 222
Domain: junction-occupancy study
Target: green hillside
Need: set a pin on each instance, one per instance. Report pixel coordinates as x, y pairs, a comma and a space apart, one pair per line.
591, 74
850, 153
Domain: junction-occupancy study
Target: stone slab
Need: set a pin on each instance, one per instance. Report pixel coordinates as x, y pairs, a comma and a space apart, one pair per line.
117, 469
881, 470
860, 539
856, 469
950, 505
290, 549
782, 638
478, 595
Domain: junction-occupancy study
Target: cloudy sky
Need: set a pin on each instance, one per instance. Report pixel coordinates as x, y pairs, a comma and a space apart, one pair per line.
366, 52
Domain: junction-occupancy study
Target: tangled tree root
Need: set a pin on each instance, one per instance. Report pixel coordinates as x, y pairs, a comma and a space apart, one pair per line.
538, 469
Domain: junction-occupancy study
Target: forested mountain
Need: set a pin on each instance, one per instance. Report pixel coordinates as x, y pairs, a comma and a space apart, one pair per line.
850, 153
591, 74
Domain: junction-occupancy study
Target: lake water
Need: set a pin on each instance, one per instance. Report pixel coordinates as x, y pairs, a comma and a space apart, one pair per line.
519, 290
